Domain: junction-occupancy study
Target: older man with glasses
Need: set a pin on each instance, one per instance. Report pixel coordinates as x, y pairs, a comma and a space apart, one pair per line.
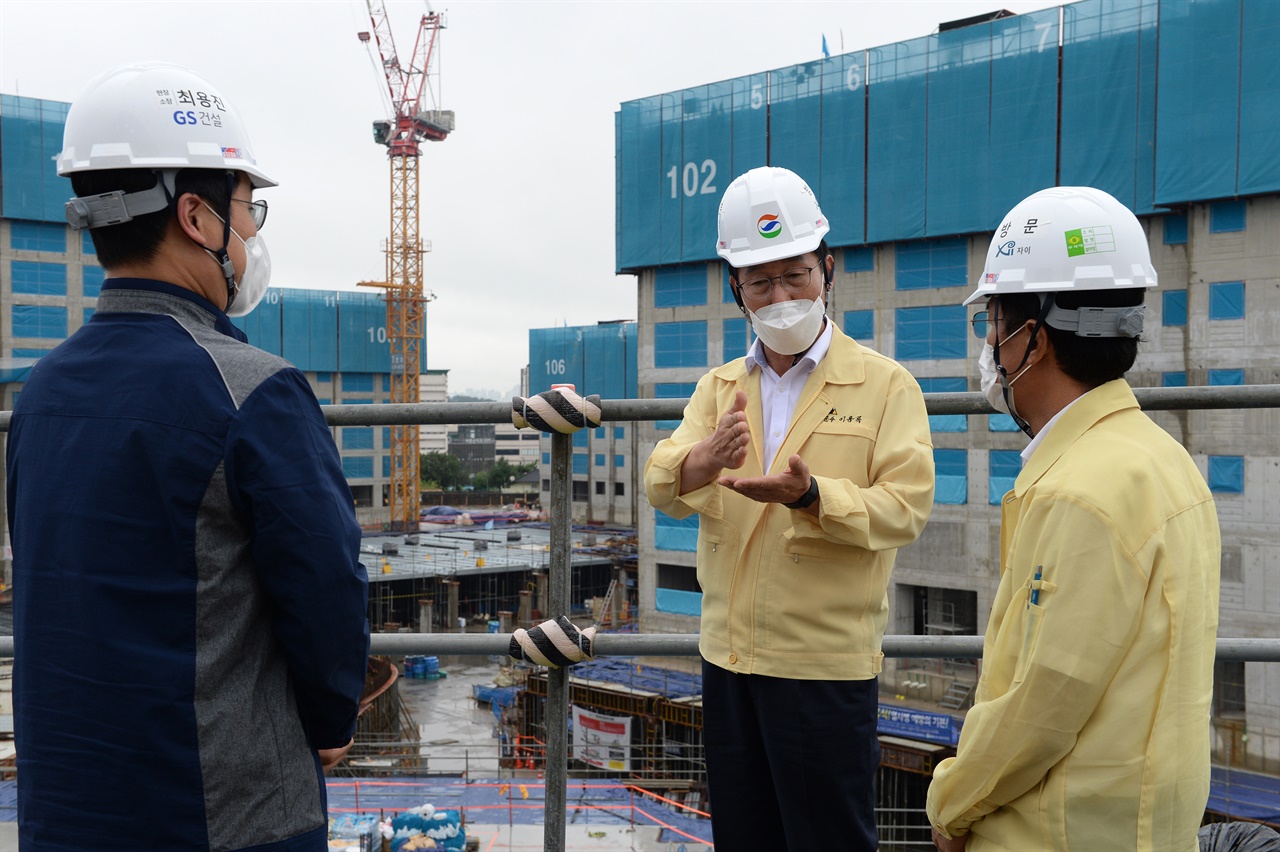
809, 463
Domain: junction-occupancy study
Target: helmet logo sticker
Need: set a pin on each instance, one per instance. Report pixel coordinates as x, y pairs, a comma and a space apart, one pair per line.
1090, 240
1005, 249
769, 226
991, 278
231, 153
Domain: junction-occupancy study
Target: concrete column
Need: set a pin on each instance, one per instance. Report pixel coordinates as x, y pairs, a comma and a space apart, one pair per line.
540, 595
451, 603
504, 621
619, 603
426, 613
525, 617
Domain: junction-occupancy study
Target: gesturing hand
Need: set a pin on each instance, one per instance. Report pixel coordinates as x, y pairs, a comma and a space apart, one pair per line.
785, 487
726, 447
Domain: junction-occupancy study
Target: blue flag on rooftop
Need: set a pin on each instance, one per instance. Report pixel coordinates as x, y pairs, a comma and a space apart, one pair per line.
826, 54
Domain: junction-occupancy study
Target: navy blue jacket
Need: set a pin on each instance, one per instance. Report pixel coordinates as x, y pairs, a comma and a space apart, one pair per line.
190, 609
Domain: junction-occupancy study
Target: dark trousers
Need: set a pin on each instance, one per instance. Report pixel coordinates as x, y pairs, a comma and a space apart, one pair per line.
791, 764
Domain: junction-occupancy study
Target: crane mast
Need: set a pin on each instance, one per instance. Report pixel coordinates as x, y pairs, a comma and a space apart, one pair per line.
402, 133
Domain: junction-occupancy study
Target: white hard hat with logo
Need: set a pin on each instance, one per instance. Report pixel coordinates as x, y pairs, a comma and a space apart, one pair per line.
1066, 238
768, 214
154, 116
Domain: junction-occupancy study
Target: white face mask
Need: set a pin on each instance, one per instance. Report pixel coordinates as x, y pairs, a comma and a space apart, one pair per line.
789, 327
252, 285
257, 275
990, 377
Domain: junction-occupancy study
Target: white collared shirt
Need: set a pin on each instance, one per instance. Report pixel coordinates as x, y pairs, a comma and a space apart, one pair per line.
779, 395
1039, 438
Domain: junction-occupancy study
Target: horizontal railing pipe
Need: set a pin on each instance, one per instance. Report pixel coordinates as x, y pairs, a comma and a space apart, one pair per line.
686, 645
613, 410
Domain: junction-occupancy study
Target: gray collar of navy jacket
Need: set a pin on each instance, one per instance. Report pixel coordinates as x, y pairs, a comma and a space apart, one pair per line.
148, 296
843, 364
1087, 411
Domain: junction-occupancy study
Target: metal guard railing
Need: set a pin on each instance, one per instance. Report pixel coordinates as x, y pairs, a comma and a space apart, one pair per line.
557, 706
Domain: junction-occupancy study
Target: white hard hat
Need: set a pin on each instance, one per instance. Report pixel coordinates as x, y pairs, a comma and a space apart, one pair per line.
1066, 238
768, 214
156, 116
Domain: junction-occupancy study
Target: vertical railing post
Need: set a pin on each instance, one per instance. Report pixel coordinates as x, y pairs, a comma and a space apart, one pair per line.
556, 760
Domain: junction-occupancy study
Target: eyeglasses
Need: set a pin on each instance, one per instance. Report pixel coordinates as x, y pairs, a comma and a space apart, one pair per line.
795, 280
258, 210
979, 323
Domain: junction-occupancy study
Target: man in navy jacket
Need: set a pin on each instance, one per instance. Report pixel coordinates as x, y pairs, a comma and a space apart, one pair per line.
191, 636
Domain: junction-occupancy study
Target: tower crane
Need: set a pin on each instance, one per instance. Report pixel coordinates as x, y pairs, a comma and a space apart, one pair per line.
410, 123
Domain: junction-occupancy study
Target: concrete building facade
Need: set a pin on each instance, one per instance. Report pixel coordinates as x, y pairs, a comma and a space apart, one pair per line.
915, 158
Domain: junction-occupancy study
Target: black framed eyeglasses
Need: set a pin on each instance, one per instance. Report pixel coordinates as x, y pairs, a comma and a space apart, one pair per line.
257, 209
795, 280
979, 323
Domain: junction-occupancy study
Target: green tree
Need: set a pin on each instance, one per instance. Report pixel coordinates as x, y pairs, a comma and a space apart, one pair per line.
502, 474
442, 469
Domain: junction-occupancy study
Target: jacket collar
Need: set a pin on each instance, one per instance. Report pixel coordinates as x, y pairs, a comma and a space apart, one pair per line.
1083, 415
842, 365
148, 296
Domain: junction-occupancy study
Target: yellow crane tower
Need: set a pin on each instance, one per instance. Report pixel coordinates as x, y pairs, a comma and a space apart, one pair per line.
410, 123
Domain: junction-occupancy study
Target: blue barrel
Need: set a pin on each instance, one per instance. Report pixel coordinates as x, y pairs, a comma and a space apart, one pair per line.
431, 664
493, 627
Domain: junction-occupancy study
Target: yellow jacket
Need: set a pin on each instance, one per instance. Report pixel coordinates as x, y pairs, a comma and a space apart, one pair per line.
783, 593
1091, 727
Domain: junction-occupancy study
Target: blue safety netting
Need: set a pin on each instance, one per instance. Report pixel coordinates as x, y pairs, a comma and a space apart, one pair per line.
795, 119
946, 422
322, 330
675, 533
1108, 98
1218, 125
841, 182
1024, 101
951, 476
942, 135
1197, 128
897, 100
598, 359
677, 602
1259, 167
30, 137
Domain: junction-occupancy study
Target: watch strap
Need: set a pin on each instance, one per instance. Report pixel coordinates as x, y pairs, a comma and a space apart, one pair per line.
807, 498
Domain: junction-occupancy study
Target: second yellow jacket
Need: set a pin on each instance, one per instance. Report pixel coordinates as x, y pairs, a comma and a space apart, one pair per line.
1090, 729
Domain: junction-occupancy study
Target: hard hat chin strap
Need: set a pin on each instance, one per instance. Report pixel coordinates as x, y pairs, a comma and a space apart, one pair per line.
1006, 384
220, 255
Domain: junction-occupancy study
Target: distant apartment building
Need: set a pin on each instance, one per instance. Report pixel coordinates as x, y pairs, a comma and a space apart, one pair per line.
595, 359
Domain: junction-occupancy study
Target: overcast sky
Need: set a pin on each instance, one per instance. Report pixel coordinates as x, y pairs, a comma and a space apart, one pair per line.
518, 202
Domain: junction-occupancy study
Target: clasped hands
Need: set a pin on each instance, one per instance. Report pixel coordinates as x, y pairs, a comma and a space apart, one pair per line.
726, 449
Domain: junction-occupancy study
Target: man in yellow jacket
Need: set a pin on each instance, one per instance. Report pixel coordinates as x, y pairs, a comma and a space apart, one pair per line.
1090, 729
833, 471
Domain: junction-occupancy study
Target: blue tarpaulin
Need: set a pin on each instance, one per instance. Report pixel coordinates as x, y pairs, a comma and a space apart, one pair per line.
1244, 795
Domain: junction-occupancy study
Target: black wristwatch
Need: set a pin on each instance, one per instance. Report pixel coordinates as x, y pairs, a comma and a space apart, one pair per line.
807, 498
